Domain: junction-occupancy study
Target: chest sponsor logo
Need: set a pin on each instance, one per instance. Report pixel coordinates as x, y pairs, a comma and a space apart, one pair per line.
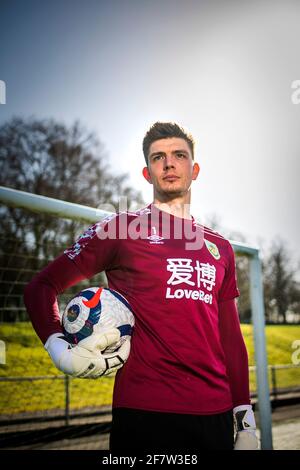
213, 249
190, 279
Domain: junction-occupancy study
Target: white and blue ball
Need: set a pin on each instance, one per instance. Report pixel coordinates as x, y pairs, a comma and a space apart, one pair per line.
95, 310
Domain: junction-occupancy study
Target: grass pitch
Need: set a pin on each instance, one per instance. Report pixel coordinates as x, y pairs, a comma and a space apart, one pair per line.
26, 357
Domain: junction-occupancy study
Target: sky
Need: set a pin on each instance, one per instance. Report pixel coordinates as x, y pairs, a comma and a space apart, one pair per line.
224, 70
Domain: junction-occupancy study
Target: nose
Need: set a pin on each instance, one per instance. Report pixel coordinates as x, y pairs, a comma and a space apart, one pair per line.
168, 162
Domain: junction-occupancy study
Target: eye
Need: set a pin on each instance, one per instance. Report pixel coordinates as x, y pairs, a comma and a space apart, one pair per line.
157, 157
180, 155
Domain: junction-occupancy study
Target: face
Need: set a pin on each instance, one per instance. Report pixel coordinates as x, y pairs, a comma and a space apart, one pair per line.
170, 168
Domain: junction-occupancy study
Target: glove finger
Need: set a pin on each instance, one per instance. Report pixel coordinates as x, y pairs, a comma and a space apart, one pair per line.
100, 341
114, 369
76, 362
102, 366
99, 368
116, 360
122, 352
95, 369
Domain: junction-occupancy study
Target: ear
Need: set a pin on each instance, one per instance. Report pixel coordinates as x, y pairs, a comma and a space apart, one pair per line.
196, 170
147, 175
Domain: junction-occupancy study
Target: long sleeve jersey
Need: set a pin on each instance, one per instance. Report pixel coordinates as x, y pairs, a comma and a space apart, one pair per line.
187, 353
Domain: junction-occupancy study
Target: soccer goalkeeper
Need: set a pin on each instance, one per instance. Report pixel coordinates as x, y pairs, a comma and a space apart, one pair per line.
185, 384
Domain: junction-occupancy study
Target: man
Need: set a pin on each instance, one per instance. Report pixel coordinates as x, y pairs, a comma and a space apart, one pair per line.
186, 377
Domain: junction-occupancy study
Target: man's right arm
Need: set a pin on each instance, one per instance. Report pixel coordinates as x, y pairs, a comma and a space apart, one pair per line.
40, 295
85, 359
88, 256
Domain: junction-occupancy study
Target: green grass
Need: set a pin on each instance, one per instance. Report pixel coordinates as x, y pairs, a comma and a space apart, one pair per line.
25, 356
279, 340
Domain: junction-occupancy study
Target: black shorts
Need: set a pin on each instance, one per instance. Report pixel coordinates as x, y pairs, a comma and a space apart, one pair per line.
149, 431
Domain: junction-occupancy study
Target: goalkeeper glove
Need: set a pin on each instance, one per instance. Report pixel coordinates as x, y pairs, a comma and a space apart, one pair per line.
245, 426
88, 358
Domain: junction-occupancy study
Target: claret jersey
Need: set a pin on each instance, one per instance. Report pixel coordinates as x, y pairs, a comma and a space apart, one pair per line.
174, 273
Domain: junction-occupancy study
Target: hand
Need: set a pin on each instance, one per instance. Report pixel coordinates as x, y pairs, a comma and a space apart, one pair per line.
245, 425
88, 359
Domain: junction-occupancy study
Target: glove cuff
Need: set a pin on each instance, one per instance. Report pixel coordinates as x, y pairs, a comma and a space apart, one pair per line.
244, 418
56, 345
51, 338
242, 408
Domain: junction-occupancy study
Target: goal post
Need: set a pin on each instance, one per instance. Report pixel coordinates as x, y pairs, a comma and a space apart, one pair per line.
258, 319
67, 210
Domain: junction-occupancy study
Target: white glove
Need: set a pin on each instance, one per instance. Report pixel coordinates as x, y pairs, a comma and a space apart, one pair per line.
245, 426
88, 358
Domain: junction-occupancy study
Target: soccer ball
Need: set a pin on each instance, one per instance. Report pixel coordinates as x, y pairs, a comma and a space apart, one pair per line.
95, 310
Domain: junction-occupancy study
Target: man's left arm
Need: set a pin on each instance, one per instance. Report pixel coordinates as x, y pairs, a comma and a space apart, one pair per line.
236, 359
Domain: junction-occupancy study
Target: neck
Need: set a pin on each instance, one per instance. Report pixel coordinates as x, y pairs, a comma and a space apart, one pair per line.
179, 207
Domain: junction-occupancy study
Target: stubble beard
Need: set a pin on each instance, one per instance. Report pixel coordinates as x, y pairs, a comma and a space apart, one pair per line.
170, 193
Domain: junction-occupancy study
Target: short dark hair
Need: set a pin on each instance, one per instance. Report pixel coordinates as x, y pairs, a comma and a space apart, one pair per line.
166, 130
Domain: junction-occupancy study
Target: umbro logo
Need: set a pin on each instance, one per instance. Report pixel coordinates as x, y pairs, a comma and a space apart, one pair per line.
155, 239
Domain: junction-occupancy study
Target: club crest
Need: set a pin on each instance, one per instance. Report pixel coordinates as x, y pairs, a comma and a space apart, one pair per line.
213, 249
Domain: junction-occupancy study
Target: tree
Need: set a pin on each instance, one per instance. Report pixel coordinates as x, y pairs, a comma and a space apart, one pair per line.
281, 289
